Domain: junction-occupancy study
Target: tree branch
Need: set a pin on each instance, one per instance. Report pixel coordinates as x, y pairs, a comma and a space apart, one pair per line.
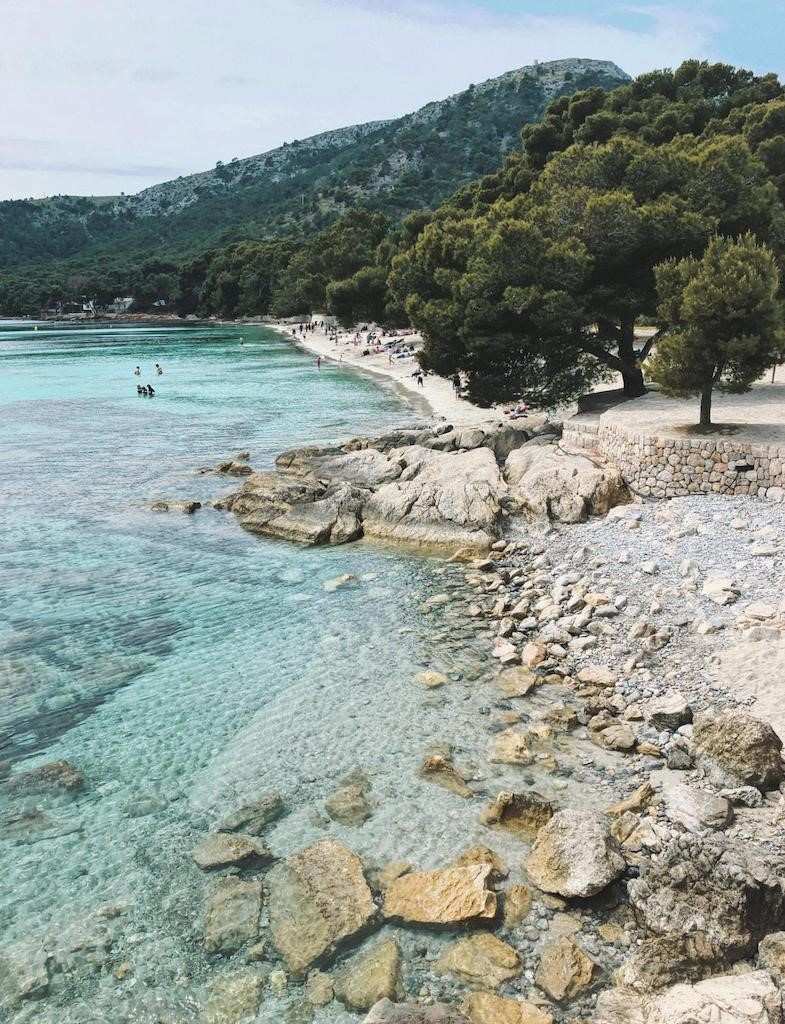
649, 345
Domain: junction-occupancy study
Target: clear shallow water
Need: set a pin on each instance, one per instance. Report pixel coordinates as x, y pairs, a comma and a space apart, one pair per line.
178, 662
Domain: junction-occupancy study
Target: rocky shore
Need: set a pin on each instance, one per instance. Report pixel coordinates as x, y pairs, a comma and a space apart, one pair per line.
623, 763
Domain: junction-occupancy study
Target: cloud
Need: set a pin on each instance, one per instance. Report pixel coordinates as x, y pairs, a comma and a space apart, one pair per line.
124, 96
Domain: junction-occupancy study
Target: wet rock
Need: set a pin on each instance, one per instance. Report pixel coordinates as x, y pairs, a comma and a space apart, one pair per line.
516, 906
446, 896
574, 854
610, 733
553, 484
732, 999
302, 510
430, 679
483, 855
480, 959
338, 581
253, 818
670, 711
485, 1008
372, 975
384, 876
386, 1012
564, 970
52, 779
711, 887
318, 989
318, 899
737, 749
636, 801
221, 849
233, 998
517, 681
348, 805
171, 505
440, 770
521, 813
232, 914
510, 747
439, 500
23, 974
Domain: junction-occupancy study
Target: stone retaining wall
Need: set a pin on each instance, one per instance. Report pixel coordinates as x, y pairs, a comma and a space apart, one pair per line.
670, 467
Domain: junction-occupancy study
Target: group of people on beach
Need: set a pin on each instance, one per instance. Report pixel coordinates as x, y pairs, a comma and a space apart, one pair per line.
147, 390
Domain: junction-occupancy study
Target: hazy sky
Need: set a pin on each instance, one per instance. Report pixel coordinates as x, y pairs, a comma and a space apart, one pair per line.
103, 96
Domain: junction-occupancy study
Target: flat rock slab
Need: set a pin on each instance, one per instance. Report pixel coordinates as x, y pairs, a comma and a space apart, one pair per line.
485, 1008
564, 970
254, 817
480, 959
441, 897
318, 899
223, 848
387, 1012
232, 914
370, 976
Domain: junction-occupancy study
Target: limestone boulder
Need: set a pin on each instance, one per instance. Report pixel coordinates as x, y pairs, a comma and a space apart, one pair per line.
387, 1012
445, 896
231, 917
440, 770
551, 483
751, 998
367, 467
55, 778
480, 959
669, 711
712, 888
318, 899
370, 976
695, 809
564, 970
771, 955
439, 500
575, 854
305, 511
348, 804
486, 1008
737, 749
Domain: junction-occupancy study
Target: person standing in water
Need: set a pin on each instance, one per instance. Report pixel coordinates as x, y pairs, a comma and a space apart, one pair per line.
318, 362
137, 372
158, 369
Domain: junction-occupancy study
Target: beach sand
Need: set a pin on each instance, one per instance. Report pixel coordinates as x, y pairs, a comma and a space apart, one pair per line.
436, 397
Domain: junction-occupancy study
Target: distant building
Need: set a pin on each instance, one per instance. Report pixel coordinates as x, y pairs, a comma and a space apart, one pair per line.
121, 305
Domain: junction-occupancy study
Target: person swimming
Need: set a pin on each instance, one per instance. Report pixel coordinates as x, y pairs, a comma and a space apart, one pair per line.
150, 391
137, 372
158, 369
140, 390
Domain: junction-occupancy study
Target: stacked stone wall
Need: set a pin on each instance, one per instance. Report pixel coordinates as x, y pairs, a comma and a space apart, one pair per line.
670, 467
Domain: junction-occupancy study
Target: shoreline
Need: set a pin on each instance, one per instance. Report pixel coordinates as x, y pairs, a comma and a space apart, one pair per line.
436, 394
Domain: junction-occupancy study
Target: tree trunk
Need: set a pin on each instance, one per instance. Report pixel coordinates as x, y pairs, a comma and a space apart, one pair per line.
632, 378
705, 420
631, 372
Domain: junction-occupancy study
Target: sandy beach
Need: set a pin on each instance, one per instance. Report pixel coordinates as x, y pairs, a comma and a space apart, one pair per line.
437, 393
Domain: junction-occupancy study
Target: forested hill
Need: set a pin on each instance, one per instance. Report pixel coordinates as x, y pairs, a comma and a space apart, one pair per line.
389, 166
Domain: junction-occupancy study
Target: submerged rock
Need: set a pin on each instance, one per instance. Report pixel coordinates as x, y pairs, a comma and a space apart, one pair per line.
254, 817
50, 779
480, 959
521, 813
387, 1012
574, 854
221, 849
446, 896
172, 505
348, 805
24, 974
318, 899
737, 749
440, 770
233, 998
564, 969
232, 914
370, 976
485, 1008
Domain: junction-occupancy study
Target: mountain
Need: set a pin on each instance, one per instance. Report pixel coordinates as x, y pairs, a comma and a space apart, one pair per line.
391, 166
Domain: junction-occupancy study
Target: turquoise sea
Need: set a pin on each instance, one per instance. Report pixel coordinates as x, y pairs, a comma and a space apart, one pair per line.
180, 664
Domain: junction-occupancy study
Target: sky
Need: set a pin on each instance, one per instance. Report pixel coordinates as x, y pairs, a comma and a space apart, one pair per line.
101, 97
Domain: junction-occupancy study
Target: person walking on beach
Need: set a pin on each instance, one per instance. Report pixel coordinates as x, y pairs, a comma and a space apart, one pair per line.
456, 384
419, 378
